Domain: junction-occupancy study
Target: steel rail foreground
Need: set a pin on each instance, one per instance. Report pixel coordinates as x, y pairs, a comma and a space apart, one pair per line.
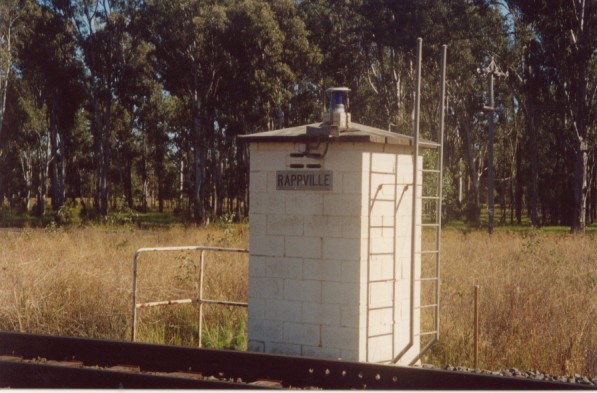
42, 361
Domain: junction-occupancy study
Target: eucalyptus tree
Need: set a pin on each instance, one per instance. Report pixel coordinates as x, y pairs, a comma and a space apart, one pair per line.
478, 37
48, 65
235, 62
9, 17
567, 35
10, 22
134, 88
187, 41
336, 35
473, 32
524, 80
391, 30
268, 84
157, 116
180, 151
28, 142
48, 62
99, 33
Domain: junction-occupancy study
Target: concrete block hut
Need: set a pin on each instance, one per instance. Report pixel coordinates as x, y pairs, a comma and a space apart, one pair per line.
330, 216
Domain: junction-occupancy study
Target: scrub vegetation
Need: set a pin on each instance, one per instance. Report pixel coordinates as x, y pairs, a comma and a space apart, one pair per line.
537, 307
118, 102
537, 291
79, 282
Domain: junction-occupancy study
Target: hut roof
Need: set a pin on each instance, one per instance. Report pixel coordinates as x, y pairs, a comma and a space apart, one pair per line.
355, 133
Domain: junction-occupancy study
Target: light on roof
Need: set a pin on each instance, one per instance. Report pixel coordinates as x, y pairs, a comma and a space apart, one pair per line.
336, 114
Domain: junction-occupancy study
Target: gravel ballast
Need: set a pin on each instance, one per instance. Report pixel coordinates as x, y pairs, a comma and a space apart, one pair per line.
530, 374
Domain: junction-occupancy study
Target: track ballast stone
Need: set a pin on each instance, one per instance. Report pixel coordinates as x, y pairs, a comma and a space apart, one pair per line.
530, 374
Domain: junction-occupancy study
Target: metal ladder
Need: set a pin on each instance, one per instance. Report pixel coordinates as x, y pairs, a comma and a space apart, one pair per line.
426, 226
429, 228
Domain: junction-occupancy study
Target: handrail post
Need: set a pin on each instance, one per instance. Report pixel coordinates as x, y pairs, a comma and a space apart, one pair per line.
134, 308
200, 322
476, 329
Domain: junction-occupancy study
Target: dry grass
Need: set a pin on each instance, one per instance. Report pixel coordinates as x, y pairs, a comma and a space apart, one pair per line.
538, 292
79, 282
538, 301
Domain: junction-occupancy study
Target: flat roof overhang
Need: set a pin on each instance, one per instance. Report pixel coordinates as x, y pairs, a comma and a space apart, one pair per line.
355, 133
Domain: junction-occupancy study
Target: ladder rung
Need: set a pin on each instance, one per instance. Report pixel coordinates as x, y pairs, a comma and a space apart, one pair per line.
430, 170
381, 173
429, 197
429, 252
380, 335
429, 225
379, 308
426, 306
428, 279
381, 227
427, 333
386, 280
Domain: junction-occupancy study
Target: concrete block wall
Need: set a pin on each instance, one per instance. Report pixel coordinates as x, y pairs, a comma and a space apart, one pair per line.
390, 199
329, 273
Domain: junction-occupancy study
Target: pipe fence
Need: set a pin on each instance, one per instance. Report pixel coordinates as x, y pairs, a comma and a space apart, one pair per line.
200, 301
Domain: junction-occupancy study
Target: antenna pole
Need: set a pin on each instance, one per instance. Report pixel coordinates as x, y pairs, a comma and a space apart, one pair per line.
491, 70
490, 175
415, 190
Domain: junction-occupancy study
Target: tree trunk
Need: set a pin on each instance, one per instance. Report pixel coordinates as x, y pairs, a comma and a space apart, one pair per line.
127, 185
144, 177
533, 148
27, 169
56, 160
221, 190
216, 175
3, 90
181, 185
519, 184
199, 161
97, 147
126, 171
61, 170
581, 154
160, 173
581, 160
7, 38
40, 191
106, 149
593, 197
160, 186
474, 201
160, 196
43, 164
513, 170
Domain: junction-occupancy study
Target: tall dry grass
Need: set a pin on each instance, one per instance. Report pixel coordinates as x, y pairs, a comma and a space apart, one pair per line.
79, 282
538, 304
538, 301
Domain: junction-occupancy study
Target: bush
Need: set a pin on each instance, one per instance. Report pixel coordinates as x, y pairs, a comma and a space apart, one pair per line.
64, 215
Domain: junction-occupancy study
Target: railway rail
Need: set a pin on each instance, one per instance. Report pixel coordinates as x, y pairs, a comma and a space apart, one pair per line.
43, 361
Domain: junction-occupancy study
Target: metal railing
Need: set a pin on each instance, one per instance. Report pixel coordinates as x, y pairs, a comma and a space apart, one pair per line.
199, 300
